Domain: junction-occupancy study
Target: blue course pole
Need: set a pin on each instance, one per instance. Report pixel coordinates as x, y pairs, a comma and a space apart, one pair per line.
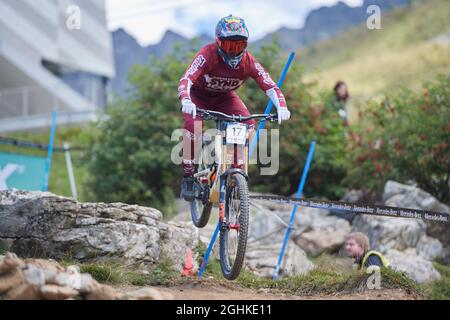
294, 209
252, 147
270, 104
208, 251
48, 163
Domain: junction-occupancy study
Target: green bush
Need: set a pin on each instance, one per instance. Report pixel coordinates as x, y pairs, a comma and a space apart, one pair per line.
405, 138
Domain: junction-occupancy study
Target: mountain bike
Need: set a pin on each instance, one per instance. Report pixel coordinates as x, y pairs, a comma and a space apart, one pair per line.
221, 180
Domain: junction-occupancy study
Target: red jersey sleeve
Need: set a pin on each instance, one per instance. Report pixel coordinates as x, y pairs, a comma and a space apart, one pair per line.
265, 82
196, 69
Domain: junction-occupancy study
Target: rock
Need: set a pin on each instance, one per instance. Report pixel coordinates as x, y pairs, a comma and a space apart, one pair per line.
387, 233
175, 238
415, 266
102, 292
429, 248
11, 280
24, 291
353, 196
263, 259
46, 279
407, 243
146, 294
400, 195
267, 227
315, 231
34, 275
35, 224
49, 268
9, 262
323, 234
71, 278
87, 283
54, 292
316, 242
441, 231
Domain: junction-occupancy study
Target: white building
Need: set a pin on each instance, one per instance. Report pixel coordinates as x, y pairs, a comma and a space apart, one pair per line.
55, 55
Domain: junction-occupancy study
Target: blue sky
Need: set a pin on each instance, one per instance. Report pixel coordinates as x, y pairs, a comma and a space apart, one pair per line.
148, 20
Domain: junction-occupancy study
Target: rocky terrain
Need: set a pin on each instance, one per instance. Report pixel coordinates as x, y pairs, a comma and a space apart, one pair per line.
410, 245
39, 279
44, 226
41, 224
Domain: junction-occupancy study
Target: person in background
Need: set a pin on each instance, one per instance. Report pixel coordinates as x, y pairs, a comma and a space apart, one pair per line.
342, 100
357, 247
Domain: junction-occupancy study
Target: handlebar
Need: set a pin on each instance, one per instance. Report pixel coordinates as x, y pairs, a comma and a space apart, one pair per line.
215, 115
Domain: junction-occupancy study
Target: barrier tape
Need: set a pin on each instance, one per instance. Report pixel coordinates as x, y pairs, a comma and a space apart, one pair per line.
33, 145
375, 210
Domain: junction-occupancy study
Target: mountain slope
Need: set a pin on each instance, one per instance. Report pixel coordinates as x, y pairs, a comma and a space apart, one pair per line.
326, 22
127, 52
412, 47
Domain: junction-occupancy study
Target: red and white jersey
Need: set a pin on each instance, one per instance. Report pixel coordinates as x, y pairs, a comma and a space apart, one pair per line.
209, 76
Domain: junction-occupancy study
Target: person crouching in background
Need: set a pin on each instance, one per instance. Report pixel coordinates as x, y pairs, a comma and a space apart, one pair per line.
357, 247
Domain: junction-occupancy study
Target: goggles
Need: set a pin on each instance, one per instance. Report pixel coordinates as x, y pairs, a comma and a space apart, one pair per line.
232, 47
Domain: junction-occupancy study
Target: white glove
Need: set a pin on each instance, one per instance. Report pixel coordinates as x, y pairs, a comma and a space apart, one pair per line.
187, 106
283, 114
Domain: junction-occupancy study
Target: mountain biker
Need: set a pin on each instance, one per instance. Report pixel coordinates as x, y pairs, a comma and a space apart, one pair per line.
210, 82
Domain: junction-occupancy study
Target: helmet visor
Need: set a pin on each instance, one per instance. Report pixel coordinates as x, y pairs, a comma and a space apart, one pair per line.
232, 47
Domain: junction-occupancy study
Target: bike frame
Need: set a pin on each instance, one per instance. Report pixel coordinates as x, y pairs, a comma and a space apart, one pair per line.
223, 171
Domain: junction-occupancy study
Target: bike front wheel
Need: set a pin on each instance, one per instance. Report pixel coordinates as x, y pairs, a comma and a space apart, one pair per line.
234, 228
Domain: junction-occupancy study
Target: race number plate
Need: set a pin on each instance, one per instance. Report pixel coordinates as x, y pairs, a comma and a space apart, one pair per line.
236, 133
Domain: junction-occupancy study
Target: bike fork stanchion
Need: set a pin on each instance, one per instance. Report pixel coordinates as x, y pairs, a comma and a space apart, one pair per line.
216, 231
294, 209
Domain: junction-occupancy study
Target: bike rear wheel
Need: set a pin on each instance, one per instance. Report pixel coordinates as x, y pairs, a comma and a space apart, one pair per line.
200, 212
201, 207
234, 230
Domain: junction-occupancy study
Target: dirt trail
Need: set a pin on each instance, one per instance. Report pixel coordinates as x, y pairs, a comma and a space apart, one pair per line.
208, 290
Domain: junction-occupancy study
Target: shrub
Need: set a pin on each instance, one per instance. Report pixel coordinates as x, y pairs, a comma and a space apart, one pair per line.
405, 138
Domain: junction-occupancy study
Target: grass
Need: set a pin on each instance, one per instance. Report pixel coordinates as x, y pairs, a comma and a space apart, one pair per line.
115, 273
375, 61
440, 289
325, 279
2, 250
